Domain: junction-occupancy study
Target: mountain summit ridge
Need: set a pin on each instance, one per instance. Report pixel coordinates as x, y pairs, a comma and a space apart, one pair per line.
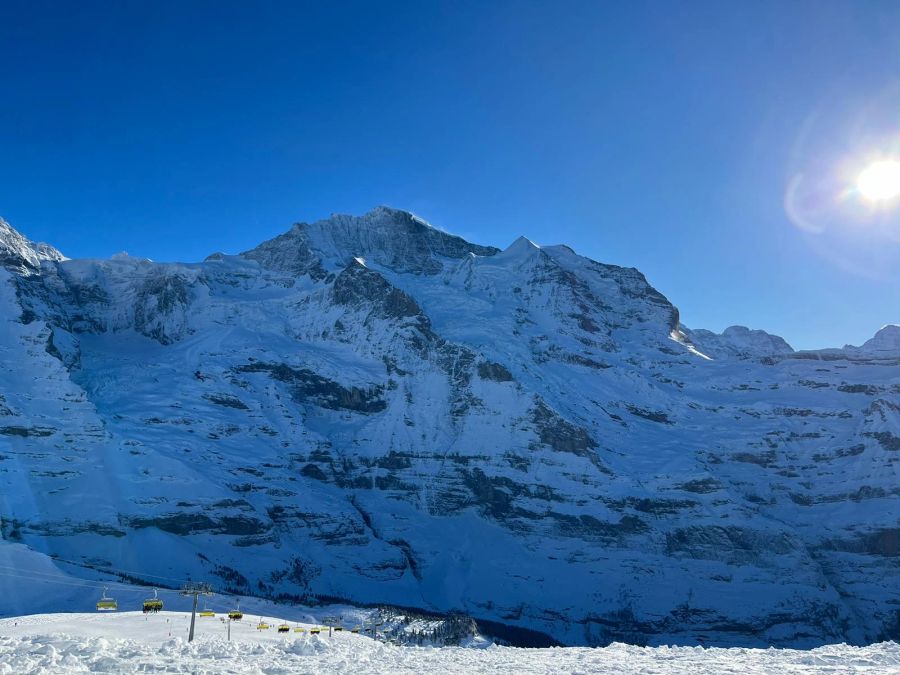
394, 238
304, 247
886, 339
20, 253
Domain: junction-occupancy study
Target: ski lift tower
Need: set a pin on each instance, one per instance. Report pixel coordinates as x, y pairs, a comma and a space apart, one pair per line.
195, 590
331, 622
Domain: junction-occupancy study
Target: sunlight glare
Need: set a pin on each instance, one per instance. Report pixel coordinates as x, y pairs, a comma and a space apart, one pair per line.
880, 181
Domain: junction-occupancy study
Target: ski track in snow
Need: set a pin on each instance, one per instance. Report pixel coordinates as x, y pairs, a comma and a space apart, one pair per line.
132, 643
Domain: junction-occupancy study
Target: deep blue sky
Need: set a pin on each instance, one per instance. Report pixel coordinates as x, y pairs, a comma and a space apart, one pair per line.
658, 135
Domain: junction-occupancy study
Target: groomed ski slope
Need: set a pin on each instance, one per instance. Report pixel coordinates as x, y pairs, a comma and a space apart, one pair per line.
130, 642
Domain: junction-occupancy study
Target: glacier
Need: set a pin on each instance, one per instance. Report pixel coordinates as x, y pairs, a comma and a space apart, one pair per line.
369, 410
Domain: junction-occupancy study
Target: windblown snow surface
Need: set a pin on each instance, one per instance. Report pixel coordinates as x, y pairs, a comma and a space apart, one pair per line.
133, 643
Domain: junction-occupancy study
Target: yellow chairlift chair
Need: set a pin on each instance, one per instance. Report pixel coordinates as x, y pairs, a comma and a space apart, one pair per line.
107, 604
153, 605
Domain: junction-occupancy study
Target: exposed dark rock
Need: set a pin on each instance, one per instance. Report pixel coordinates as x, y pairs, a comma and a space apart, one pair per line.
289, 253
227, 401
589, 527
559, 434
192, 523
395, 461
839, 453
313, 471
885, 439
587, 362
867, 389
5, 410
765, 459
884, 542
26, 432
652, 415
700, 486
488, 370
496, 495
732, 544
806, 412
160, 298
657, 507
360, 287
409, 554
306, 385
68, 528
393, 482
493, 494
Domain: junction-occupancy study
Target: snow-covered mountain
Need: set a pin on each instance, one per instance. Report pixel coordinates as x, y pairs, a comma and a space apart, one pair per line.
22, 255
369, 409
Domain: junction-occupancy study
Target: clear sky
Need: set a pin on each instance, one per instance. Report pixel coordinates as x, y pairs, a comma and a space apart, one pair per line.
697, 141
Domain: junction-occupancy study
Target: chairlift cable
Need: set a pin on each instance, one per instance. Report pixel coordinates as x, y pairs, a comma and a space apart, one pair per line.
114, 570
43, 577
71, 581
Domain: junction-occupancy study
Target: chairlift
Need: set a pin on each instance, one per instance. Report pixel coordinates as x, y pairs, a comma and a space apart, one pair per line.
236, 614
284, 628
262, 625
106, 604
206, 612
153, 605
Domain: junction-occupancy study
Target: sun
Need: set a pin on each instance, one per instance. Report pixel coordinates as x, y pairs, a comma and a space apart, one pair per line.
880, 181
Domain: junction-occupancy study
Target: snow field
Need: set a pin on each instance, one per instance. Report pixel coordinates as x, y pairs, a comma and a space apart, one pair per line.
132, 643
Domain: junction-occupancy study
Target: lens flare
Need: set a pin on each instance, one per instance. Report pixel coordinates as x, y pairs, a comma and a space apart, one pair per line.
880, 181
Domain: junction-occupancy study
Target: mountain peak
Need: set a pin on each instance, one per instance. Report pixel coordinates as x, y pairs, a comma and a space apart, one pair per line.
392, 238
520, 250
738, 341
887, 339
385, 211
522, 244
22, 255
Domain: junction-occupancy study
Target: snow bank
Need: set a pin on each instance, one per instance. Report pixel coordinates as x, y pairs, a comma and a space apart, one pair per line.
69, 643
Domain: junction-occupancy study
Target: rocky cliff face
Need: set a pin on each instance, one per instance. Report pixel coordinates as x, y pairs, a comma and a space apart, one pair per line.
22, 255
370, 409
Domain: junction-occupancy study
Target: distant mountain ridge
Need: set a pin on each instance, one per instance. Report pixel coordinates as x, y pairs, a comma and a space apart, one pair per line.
371, 409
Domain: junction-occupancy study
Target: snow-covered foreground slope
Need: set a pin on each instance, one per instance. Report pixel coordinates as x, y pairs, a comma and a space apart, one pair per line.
367, 409
134, 643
